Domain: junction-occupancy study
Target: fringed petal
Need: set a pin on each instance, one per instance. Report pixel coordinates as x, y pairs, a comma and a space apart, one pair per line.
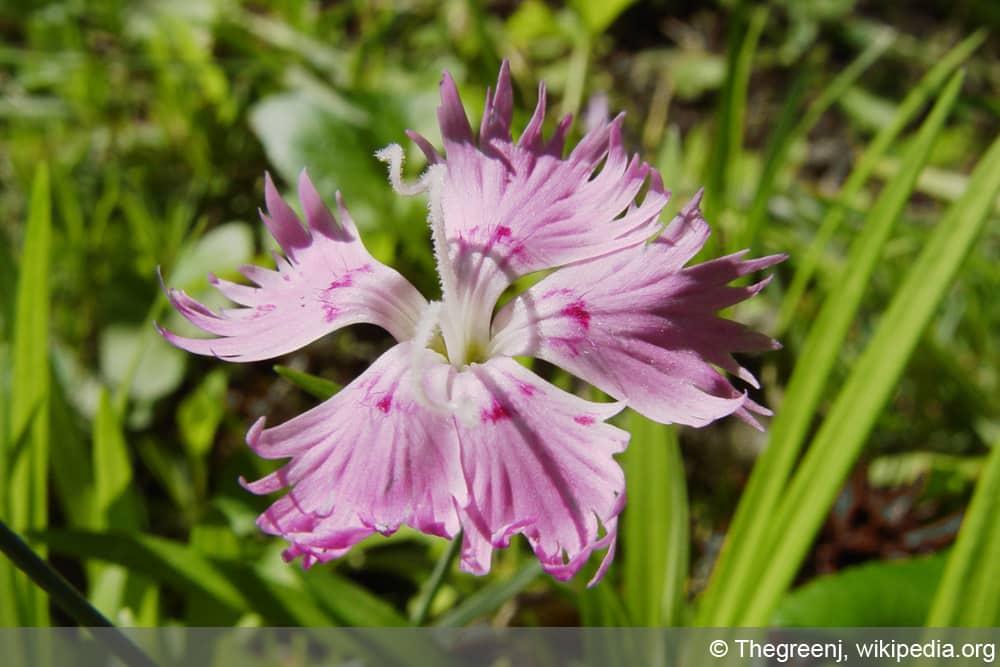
379, 454
537, 461
327, 280
510, 209
642, 328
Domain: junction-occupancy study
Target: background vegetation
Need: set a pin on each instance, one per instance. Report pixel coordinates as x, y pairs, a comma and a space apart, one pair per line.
858, 137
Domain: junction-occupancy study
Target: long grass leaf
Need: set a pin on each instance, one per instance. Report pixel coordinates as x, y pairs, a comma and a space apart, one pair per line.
313, 385
67, 598
915, 100
349, 603
490, 597
169, 562
788, 430
232, 585
727, 150
71, 470
787, 132
27, 454
967, 594
843, 434
116, 506
654, 525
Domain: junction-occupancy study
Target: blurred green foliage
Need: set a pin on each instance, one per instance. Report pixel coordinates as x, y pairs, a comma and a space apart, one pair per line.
135, 135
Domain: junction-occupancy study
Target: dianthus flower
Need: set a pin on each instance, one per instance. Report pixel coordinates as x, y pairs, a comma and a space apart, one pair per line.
446, 432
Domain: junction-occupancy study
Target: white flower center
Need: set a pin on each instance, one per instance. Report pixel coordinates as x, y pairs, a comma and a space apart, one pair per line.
464, 314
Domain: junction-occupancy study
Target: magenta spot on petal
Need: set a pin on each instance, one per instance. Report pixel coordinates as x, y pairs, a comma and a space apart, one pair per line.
344, 281
556, 292
287, 278
496, 413
385, 403
264, 309
578, 311
584, 420
526, 389
347, 279
502, 232
329, 312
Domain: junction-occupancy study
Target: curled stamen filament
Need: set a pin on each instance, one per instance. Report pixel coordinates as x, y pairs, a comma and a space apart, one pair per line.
393, 156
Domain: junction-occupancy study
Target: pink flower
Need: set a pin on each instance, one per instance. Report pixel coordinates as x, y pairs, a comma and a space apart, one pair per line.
445, 431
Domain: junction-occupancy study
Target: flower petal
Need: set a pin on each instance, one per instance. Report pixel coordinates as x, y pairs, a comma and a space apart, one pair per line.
642, 328
327, 280
513, 208
538, 461
374, 457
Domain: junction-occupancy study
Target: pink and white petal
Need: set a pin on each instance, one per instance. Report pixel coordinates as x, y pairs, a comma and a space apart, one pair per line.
328, 280
538, 461
510, 209
642, 328
378, 455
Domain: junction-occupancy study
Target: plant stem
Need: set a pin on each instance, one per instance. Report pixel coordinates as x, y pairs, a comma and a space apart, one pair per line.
69, 599
436, 579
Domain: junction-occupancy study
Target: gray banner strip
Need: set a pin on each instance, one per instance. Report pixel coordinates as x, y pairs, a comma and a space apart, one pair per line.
511, 647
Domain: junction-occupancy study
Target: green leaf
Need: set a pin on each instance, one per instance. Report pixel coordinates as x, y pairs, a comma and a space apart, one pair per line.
488, 599
893, 593
200, 413
868, 388
135, 356
747, 551
969, 594
115, 502
221, 250
313, 385
311, 128
24, 458
598, 15
654, 525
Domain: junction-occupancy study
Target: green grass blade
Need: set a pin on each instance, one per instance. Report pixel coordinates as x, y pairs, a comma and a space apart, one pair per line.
232, 585
115, 506
733, 579
601, 607
24, 463
172, 563
843, 434
787, 132
968, 594
67, 598
727, 150
313, 385
805, 266
349, 603
654, 525
490, 597
430, 587
72, 477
